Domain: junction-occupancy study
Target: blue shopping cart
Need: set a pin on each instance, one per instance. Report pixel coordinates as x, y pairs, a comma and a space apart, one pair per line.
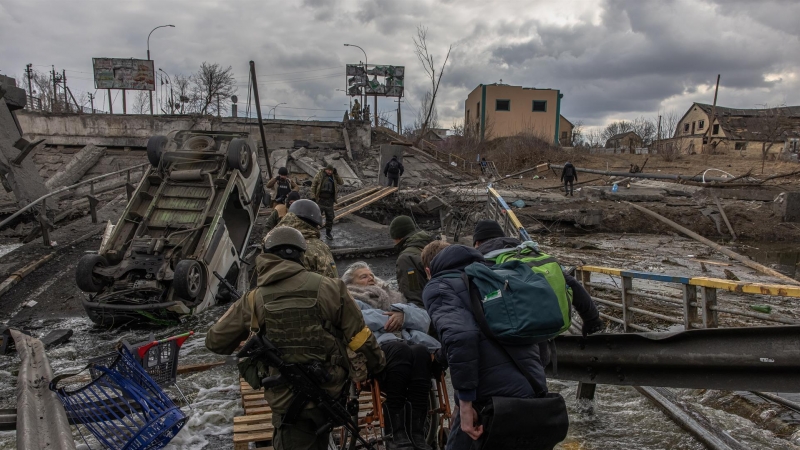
122, 406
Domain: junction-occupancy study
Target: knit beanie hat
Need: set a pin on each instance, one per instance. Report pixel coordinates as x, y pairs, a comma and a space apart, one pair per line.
292, 196
401, 227
487, 229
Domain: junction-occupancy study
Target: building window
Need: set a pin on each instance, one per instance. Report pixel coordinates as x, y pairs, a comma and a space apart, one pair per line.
701, 124
563, 135
716, 129
686, 127
478, 111
502, 105
741, 146
540, 106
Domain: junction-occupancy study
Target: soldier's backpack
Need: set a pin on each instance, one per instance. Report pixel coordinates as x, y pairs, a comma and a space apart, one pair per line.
393, 167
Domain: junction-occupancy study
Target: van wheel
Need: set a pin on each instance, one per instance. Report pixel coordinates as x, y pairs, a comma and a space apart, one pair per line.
189, 280
85, 278
240, 156
155, 149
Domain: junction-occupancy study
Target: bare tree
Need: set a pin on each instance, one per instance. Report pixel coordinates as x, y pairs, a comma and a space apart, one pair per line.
615, 128
771, 126
577, 134
184, 97
141, 103
645, 129
212, 87
427, 60
42, 86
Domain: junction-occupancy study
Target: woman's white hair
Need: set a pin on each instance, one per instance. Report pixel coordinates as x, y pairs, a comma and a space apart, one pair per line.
349, 274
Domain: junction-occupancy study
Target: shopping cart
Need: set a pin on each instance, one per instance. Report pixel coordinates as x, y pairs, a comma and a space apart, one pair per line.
122, 406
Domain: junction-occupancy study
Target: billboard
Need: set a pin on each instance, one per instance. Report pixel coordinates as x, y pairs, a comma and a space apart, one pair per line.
119, 73
373, 79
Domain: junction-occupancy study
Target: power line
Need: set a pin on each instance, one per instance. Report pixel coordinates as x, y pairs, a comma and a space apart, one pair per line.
301, 71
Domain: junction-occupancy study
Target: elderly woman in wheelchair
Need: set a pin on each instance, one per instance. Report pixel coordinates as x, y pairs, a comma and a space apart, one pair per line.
401, 330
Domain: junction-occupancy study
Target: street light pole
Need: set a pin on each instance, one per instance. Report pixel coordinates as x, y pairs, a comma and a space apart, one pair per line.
366, 61
274, 110
148, 58
171, 98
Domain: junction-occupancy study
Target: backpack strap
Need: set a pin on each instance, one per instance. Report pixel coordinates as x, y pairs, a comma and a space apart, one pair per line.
477, 311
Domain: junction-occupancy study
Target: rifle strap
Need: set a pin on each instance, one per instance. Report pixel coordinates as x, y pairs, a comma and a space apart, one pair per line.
480, 318
254, 329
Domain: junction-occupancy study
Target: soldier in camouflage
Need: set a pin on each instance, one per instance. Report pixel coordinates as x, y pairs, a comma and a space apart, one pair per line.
411, 277
310, 318
324, 189
305, 217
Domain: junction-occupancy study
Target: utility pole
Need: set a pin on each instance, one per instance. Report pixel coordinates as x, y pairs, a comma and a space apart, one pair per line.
91, 100
30, 90
110, 103
124, 103
710, 128
66, 100
260, 122
399, 116
219, 114
658, 133
54, 100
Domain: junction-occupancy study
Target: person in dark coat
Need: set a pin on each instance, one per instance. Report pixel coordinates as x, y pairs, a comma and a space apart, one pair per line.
478, 369
410, 272
490, 240
393, 171
568, 175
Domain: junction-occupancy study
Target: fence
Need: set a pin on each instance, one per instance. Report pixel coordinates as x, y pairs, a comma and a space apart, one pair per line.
498, 210
692, 309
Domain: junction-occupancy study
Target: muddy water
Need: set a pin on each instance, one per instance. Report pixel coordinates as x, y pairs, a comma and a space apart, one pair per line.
620, 418
782, 257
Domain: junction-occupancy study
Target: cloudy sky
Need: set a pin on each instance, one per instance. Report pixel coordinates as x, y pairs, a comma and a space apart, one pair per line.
612, 59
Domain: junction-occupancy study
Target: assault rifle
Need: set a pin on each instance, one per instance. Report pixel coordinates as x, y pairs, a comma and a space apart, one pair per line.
304, 381
235, 295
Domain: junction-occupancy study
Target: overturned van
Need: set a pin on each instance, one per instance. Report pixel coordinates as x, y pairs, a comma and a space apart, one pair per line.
189, 220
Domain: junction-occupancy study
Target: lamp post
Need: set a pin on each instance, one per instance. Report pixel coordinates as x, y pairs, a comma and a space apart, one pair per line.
148, 58
364, 99
274, 110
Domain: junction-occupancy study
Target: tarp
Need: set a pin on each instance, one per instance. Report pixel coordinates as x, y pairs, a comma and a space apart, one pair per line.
41, 419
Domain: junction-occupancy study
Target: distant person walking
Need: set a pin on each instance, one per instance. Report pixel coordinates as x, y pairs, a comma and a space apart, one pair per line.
324, 189
568, 175
484, 166
393, 171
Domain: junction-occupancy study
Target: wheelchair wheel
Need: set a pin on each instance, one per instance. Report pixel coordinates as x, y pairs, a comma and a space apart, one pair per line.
432, 420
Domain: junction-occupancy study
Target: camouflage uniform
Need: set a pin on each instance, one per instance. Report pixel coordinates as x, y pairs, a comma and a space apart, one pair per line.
309, 318
411, 277
277, 214
326, 200
318, 257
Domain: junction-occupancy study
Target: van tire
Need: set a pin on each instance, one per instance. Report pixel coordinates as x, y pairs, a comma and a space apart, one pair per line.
85, 278
189, 279
155, 149
240, 156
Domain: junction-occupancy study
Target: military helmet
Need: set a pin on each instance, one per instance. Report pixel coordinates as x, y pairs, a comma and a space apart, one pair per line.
284, 236
308, 210
283, 171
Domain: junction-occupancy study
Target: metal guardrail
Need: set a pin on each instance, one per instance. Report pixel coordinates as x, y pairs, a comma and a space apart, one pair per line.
695, 311
90, 182
498, 210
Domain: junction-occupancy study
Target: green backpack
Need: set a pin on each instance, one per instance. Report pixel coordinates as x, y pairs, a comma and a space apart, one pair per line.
540, 263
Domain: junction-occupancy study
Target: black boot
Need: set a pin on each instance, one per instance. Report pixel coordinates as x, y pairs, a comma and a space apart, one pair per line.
394, 430
416, 429
328, 234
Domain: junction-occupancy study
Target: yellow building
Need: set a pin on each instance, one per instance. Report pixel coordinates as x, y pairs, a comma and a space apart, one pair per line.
498, 110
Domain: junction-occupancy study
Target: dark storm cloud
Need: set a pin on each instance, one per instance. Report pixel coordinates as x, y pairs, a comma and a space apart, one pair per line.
611, 59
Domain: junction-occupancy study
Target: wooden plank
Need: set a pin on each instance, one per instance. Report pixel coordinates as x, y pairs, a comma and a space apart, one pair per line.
364, 202
253, 396
356, 195
253, 418
252, 427
260, 410
252, 437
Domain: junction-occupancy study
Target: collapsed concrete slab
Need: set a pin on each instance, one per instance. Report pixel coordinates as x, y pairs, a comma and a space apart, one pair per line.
74, 170
279, 158
554, 213
308, 165
344, 170
787, 206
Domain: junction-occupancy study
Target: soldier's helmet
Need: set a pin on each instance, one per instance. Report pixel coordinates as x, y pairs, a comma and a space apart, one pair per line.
308, 210
283, 171
285, 237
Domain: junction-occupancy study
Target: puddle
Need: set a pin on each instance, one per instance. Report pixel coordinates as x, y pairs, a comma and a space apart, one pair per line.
785, 258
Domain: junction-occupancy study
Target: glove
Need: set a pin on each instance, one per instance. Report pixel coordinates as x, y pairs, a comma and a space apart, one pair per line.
593, 326
335, 171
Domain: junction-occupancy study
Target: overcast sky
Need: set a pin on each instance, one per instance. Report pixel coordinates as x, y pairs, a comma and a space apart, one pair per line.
614, 59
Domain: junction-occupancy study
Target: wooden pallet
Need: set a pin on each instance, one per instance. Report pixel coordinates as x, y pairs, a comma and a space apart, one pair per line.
255, 426
366, 201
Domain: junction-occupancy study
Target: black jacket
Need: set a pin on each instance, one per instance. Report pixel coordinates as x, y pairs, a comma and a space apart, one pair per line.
400, 169
569, 172
478, 368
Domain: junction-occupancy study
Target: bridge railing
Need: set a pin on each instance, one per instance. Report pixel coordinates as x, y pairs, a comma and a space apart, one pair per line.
697, 307
498, 210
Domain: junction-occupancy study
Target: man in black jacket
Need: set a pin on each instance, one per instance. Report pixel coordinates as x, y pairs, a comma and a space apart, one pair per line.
568, 175
393, 171
477, 369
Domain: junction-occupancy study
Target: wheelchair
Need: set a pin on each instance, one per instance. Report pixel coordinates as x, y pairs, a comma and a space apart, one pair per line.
365, 404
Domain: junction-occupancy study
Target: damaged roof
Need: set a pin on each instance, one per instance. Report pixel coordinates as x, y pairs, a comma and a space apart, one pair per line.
764, 124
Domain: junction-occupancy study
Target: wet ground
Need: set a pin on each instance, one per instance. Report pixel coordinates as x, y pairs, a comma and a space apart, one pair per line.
620, 418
